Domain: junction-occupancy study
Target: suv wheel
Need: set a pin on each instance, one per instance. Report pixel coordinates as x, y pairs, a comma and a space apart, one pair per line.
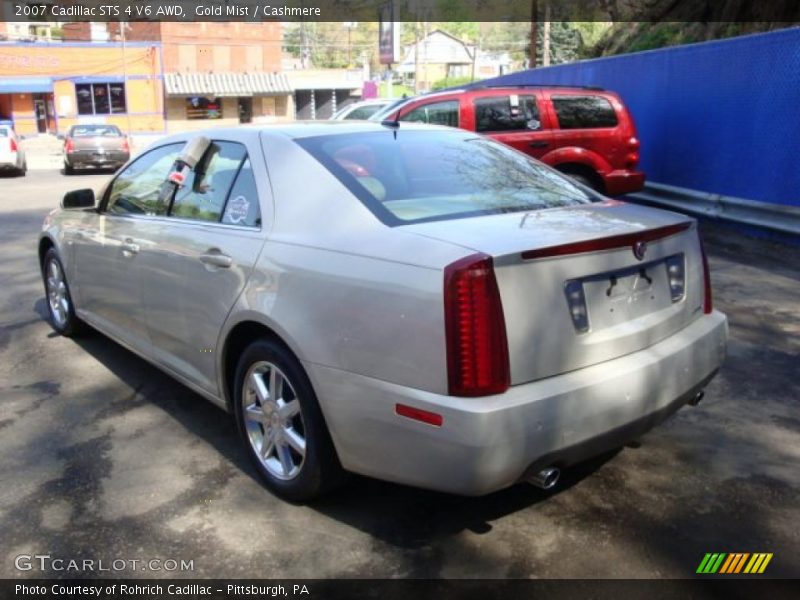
281, 425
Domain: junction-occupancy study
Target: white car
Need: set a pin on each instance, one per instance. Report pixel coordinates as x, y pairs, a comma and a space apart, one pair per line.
360, 110
12, 156
415, 303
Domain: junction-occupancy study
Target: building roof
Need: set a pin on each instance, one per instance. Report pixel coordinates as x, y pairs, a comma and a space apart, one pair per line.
226, 84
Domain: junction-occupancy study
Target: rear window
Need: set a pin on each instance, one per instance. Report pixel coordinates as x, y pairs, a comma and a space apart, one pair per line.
95, 131
3, 132
420, 176
584, 112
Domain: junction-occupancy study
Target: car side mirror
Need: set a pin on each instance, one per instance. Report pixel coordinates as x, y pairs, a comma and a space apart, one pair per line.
78, 199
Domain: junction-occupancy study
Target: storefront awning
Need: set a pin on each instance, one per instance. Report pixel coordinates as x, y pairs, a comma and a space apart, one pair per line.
23, 85
226, 84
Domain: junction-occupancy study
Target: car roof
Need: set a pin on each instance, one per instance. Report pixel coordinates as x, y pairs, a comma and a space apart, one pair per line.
304, 129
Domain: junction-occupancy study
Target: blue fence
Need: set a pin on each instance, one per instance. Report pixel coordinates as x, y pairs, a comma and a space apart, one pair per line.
720, 117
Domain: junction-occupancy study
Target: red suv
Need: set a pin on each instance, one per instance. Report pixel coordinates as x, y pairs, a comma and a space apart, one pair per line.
586, 133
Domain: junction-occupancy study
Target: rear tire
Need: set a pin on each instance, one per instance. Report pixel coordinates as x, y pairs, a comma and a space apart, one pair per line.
584, 180
59, 299
281, 425
69, 169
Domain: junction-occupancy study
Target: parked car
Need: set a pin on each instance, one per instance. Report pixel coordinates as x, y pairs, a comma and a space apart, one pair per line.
95, 146
414, 303
586, 133
12, 156
360, 110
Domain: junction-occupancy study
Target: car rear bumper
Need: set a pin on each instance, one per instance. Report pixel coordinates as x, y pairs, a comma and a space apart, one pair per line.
86, 158
623, 182
486, 444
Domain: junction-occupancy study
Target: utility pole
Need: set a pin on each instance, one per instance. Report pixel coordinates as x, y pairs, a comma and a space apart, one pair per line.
534, 28
416, 58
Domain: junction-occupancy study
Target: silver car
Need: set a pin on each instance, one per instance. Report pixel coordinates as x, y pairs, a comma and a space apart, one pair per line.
412, 303
12, 155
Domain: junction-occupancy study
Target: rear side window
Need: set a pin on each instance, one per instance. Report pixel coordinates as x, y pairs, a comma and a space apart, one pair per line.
507, 113
242, 207
206, 188
435, 113
584, 112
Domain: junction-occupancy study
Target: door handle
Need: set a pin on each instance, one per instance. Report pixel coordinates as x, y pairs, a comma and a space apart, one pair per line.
129, 247
539, 144
215, 258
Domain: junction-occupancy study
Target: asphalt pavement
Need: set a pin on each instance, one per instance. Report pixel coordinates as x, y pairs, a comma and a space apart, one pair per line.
103, 457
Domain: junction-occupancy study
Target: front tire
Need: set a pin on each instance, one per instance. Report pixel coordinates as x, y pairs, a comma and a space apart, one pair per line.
281, 425
59, 299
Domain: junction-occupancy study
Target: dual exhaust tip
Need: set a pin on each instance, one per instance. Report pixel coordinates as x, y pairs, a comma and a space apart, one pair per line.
546, 478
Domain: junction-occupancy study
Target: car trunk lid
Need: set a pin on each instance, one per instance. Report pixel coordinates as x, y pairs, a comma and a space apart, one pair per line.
606, 263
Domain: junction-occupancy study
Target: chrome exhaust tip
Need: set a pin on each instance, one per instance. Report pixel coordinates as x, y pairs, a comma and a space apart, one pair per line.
696, 400
546, 478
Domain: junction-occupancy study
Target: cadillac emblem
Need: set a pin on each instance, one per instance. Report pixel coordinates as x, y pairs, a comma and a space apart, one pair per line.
640, 249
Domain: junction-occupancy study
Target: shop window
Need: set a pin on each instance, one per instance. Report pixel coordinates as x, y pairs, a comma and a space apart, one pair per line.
199, 107
100, 98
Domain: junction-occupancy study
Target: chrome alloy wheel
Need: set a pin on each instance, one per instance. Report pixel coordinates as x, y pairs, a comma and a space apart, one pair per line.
274, 420
57, 296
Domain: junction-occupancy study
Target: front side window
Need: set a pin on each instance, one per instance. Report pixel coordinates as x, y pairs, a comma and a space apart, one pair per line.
435, 175
435, 113
200, 107
584, 112
100, 98
203, 195
136, 189
507, 113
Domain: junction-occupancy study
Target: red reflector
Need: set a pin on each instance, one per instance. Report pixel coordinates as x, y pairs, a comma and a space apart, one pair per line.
708, 302
607, 243
419, 415
477, 349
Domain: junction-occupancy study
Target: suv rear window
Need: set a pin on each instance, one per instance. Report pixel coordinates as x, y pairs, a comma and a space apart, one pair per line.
584, 112
435, 175
506, 113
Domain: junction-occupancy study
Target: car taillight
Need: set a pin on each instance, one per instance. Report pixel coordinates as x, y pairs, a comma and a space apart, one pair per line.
13, 145
633, 144
477, 349
125, 145
708, 303
632, 159
69, 146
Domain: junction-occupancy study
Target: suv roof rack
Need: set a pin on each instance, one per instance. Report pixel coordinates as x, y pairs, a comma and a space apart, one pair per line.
594, 88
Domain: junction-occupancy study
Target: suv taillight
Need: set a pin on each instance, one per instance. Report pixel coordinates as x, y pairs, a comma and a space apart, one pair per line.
69, 146
13, 145
477, 349
708, 303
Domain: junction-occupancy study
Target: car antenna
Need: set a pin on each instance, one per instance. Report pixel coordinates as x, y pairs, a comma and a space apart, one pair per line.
393, 124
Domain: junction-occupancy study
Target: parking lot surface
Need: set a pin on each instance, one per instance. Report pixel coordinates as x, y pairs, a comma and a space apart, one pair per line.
104, 457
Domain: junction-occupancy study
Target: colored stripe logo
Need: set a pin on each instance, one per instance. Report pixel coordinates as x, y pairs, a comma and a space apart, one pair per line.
734, 563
